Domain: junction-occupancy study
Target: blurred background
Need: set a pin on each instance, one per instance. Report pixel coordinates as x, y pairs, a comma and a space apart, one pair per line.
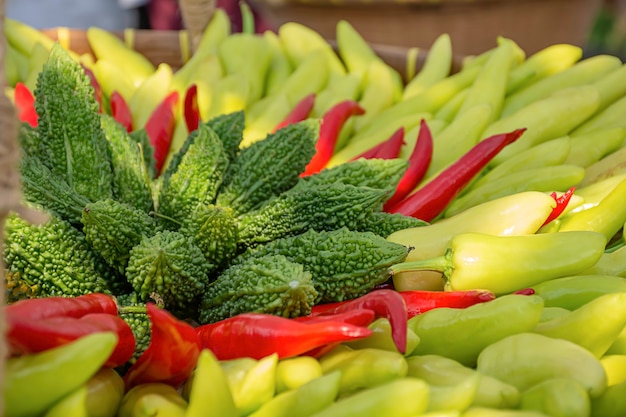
597, 25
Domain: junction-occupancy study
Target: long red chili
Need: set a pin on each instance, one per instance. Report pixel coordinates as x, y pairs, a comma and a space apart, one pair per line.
300, 112
121, 111
419, 161
25, 104
561, 204
430, 201
171, 355
43, 308
160, 127
385, 303
390, 148
191, 112
332, 122
31, 336
421, 301
258, 335
360, 317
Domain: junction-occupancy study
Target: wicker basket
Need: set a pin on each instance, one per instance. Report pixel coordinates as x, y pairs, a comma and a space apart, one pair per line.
472, 24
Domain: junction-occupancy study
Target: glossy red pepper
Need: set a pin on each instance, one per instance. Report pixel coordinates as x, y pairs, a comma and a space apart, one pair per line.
430, 201
43, 308
332, 122
120, 111
387, 304
561, 203
257, 335
97, 89
419, 161
300, 112
25, 104
160, 127
421, 301
525, 291
191, 111
360, 317
31, 336
171, 355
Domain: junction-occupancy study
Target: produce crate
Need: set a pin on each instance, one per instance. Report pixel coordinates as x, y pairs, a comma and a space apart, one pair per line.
472, 24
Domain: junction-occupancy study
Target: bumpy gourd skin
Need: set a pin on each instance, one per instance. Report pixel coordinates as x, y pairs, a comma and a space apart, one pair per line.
384, 224
229, 127
72, 141
214, 231
54, 258
344, 264
113, 228
197, 178
170, 267
42, 187
271, 284
319, 207
135, 314
131, 179
268, 167
384, 174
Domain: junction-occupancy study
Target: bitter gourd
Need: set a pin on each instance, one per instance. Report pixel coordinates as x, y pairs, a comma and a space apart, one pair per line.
131, 180
197, 178
170, 267
376, 173
270, 284
113, 228
318, 207
268, 167
214, 231
42, 187
229, 128
140, 136
54, 258
69, 126
383, 224
134, 312
344, 264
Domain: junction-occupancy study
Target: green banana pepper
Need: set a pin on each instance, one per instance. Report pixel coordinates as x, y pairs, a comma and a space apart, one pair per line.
526, 359
363, 368
572, 292
504, 264
207, 390
381, 338
304, 401
560, 397
490, 392
152, 399
296, 371
105, 391
401, 397
611, 403
605, 315
461, 334
33, 383
615, 368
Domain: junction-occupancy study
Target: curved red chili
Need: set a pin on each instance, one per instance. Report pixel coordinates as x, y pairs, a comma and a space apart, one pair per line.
421, 301
191, 112
300, 112
25, 104
43, 308
160, 127
120, 111
561, 204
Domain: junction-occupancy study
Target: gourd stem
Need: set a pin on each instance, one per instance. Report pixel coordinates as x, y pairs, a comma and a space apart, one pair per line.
439, 264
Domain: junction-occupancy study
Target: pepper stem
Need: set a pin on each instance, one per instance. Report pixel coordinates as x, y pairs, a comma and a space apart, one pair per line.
438, 264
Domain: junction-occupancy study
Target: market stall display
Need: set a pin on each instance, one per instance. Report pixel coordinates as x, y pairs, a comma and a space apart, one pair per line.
275, 224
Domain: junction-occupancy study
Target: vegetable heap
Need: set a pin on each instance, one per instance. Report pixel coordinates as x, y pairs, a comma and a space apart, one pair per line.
222, 230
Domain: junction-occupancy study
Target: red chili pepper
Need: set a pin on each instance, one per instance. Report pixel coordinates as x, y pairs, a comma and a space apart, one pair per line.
387, 304
97, 89
525, 291
561, 204
191, 110
44, 308
430, 201
258, 335
25, 335
419, 161
391, 147
421, 301
160, 127
121, 111
25, 104
171, 355
332, 123
300, 112
360, 317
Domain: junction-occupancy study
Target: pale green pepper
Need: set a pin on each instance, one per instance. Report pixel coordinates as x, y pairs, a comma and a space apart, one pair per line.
436, 67
504, 264
615, 368
590, 147
72, 405
381, 338
208, 390
611, 403
575, 291
291, 373
557, 397
152, 399
594, 326
526, 359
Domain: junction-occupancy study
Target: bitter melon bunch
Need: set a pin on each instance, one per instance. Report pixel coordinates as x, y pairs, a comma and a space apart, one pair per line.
224, 229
